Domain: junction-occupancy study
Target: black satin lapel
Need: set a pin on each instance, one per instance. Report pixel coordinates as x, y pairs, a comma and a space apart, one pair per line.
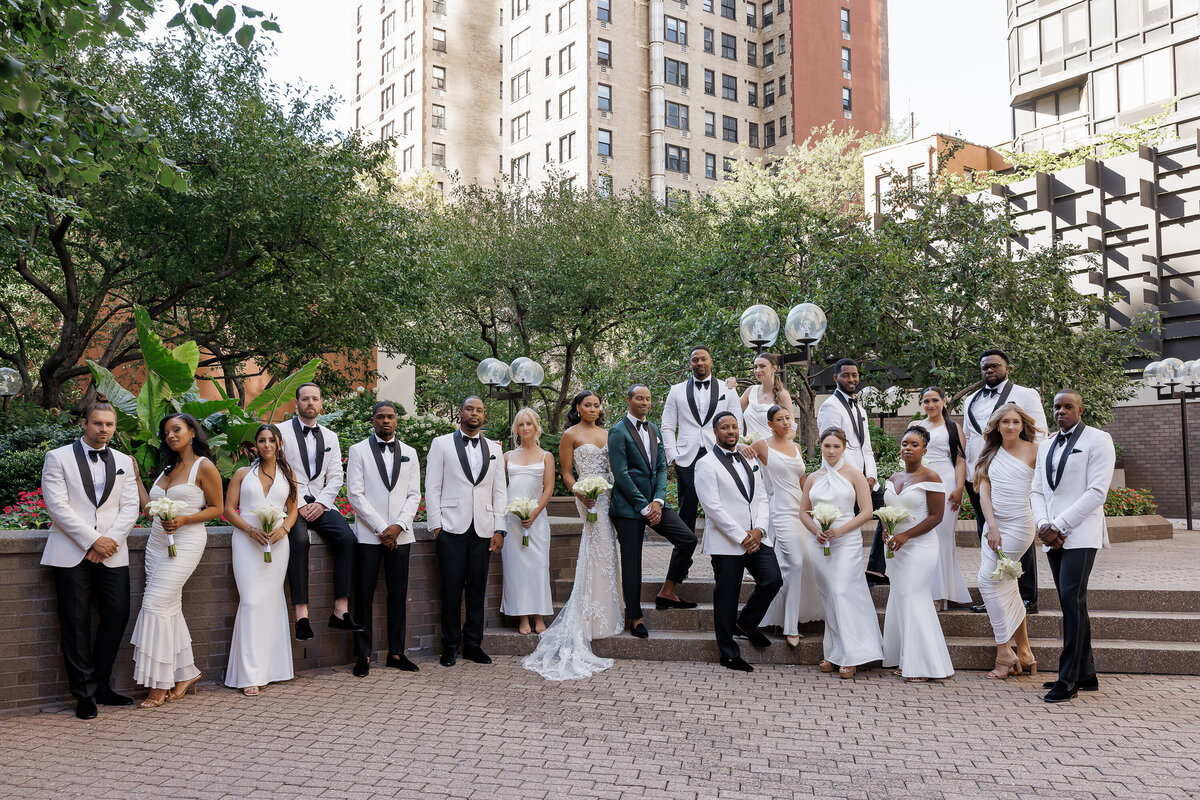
110, 475
971, 411
461, 445
373, 443
653, 460
857, 424
733, 473
320, 450
396, 459
749, 471
1003, 398
691, 398
637, 440
303, 447
85, 473
1062, 465
483, 471
713, 394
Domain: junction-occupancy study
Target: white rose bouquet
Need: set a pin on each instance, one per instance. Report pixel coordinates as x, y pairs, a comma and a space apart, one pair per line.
750, 438
1006, 568
591, 487
826, 514
269, 517
165, 508
522, 508
891, 516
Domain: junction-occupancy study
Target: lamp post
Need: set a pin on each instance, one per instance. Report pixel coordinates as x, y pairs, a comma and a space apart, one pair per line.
10, 385
524, 372
1171, 378
805, 325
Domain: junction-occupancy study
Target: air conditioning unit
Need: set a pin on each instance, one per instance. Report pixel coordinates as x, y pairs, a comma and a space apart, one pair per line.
753, 29
687, 177
603, 115
603, 159
687, 134
683, 90
847, 115
845, 36
603, 69
439, 92
683, 47
603, 24
845, 75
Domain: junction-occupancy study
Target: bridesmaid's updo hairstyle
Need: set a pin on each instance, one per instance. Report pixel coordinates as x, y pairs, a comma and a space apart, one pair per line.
772, 411
833, 430
168, 456
573, 417
281, 461
919, 432
99, 404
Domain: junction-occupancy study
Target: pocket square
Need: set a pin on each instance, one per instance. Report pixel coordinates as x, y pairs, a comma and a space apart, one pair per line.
403, 459
120, 472
1076, 451
754, 468
327, 449
722, 397
491, 458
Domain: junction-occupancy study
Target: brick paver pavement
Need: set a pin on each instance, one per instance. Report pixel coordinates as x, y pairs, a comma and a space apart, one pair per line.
639, 730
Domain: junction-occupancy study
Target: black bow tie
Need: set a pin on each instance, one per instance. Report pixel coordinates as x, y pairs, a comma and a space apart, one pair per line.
702, 384
641, 424
990, 392
473, 441
1062, 438
853, 401
387, 446
96, 455
310, 431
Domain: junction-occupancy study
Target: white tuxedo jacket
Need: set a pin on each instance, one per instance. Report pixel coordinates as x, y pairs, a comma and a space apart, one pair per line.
322, 480
859, 453
728, 514
375, 505
453, 501
978, 409
684, 430
1075, 502
77, 517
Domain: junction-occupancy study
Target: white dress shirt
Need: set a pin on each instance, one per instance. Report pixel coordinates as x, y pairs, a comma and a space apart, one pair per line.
96, 466
643, 432
474, 455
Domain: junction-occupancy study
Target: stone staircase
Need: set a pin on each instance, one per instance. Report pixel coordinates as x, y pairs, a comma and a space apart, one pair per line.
1133, 631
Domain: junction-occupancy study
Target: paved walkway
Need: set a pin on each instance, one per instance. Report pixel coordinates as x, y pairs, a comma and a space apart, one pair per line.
639, 730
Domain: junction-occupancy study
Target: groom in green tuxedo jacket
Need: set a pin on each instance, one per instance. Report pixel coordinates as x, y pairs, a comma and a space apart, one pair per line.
638, 500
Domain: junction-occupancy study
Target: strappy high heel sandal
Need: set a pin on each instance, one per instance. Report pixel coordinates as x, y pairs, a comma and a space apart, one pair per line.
1030, 666
151, 703
188, 688
1005, 668
827, 666
846, 672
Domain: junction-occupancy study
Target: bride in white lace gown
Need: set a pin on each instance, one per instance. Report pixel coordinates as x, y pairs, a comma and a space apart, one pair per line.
593, 611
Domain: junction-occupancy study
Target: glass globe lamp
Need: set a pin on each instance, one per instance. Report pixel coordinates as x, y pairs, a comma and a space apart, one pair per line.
527, 372
493, 372
759, 326
806, 324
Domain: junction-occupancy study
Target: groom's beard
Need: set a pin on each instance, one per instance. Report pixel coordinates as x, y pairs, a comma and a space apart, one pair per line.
696, 374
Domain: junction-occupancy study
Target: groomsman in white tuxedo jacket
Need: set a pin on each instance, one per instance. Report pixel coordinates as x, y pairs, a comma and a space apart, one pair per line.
1070, 484
465, 500
998, 390
315, 456
91, 495
383, 484
687, 419
737, 538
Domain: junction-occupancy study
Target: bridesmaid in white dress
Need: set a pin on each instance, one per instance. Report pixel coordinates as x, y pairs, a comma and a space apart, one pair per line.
912, 635
783, 465
593, 611
261, 649
852, 636
949, 460
1004, 475
162, 644
759, 398
527, 567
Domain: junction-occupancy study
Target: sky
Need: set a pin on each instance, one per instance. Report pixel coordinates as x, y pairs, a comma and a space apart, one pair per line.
947, 60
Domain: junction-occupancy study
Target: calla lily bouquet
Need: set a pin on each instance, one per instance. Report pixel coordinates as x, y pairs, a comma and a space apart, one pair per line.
522, 508
591, 487
269, 517
165, 509
750, 438
1006, 568
891, 516
826, 514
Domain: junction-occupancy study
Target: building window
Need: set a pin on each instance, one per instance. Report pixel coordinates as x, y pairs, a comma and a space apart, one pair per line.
846, 21
357, 118
729, 87
676, 31
729, 126
439, 116
728, 11
389, 25
707, 5
604, 97
566, 59
520, 86
604, 185
677, 73
358, 52
710, 82
726, 166
358, 84
549, 59
677, 158
846, 104
768, 94
547, 23
388, 131
767, 15
387, 98
729, 46
710, 124
677, 116
439, 77
408, 121
410, 45
709, 37
439, 7
410, 80
389, 62
753, 134
782, 44
406, 158
520, 45
519, 129
519, 170
548, 144
782, 85
439, 40
769, 53
549, 106
752, 54
1075, 25
783, 126
604, 10
566, 15
605, 139
752, 94
769, 134
439, 155
752, 16
566, 103
566, 148
604, 52
358, 17
710, 166
845, 59
519, 7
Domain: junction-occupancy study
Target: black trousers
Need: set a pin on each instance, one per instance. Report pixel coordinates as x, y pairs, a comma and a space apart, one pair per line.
81, 588
727, 574
366, 577
1071, 570
331, 527
877, 560
689, 502
1027, 583
631, 533
463, 560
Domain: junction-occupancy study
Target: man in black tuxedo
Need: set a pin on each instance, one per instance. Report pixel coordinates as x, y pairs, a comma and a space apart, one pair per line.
639, 498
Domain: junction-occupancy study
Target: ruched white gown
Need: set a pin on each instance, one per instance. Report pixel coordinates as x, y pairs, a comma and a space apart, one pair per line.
852, 634
912, 635
947, 582
526, 568
261, 650
798, 601
593, 611
1011, 481
162, 643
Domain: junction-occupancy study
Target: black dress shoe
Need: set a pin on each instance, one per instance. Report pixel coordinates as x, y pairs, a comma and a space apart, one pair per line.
107, 697
1091, 684
449, 658
1061, 692
362, 668
640, 631
345, 623
959, 606
304, 630
979, 609
663, 603
754, 636
86, 709
1030, 608
401, 662
877, 580
477, 655
736, 663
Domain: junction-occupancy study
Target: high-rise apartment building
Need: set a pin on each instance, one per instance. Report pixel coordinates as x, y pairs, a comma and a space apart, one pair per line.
1079, 68
613, 93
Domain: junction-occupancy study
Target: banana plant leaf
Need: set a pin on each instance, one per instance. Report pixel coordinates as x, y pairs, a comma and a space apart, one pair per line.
176, 374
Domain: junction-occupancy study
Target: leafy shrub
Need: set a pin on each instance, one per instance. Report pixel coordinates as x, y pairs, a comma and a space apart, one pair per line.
1126, 502
20, 472
965, 511
28, 513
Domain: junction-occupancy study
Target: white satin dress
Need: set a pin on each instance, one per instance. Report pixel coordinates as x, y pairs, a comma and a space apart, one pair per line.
1011, 480
526, 567
912, 635
798, 601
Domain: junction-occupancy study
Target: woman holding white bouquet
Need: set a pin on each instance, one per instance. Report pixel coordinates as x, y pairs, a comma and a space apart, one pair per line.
185, 496
827, 507
914, 503
527, 555
594, 608
1004, 477
261, 504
